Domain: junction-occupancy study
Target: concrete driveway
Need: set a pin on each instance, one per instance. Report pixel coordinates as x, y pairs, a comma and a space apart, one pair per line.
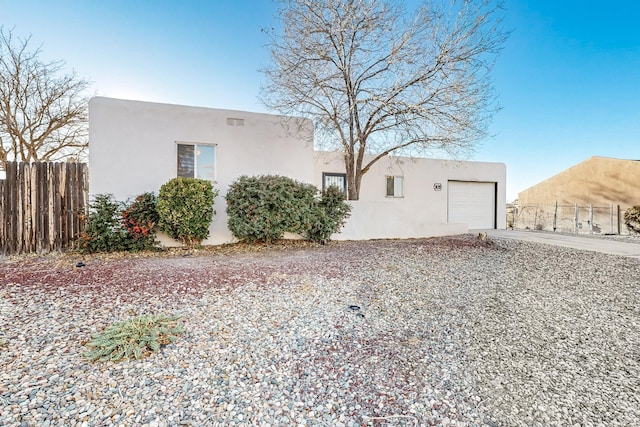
625, 248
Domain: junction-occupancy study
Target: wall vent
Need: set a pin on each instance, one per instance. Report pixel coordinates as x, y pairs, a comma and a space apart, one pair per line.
235, 122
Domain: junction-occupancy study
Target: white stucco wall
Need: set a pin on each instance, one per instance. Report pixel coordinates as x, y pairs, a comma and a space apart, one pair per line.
422, 211
133, 149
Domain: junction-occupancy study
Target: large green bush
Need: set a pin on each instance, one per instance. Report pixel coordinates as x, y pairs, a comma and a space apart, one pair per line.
185, 209
329, 216
632, 218
263, 208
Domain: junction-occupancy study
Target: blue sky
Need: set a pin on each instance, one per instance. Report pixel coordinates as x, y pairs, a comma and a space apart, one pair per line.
568, 78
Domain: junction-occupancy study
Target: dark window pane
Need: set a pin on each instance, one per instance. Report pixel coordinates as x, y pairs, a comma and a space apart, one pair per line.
186, 161
334, 179
390, 186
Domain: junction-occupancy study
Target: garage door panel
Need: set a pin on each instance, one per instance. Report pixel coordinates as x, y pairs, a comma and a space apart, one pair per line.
473, 203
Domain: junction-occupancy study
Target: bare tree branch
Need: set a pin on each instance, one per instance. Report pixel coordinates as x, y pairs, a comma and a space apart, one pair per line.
43, 111
378, 79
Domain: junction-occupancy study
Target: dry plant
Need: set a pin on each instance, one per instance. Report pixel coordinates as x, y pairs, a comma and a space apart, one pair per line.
134, 338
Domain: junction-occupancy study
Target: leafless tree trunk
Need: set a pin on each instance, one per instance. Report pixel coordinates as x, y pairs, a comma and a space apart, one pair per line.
377, 79
43, 112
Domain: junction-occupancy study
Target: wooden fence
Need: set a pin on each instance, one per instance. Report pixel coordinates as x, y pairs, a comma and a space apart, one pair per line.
43, 206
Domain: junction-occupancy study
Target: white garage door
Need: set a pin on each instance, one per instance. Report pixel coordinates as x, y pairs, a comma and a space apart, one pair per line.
473, 203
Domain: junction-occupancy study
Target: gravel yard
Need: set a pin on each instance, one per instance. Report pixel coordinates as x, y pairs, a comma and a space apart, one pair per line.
446, 331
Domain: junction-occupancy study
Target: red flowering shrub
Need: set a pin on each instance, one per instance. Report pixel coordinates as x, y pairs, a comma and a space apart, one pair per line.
115, 226
140, 219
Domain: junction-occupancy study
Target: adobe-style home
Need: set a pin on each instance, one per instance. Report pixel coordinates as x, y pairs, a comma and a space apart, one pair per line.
136, 147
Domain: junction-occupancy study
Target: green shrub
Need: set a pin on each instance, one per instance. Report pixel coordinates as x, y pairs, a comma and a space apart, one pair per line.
632, 218
115, 226
185, 209
134, 338
330, 215
104, 231
139, 219
263, 208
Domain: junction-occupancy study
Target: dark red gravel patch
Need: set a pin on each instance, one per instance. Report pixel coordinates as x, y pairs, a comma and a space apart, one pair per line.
170, 272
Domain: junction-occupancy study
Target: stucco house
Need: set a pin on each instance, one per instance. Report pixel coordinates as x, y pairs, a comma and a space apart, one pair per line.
137, 146
591, 194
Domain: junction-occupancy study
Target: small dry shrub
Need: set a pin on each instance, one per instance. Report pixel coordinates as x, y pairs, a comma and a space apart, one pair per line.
134, 338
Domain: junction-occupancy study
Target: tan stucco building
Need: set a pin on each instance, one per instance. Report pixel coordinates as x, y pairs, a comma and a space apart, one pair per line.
597, 180
584, 197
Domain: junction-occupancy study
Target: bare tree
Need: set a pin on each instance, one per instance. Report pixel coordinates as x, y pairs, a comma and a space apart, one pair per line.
378, 79
43, 112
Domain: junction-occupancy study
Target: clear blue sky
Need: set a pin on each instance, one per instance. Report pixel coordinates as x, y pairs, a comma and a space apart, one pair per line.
568, 78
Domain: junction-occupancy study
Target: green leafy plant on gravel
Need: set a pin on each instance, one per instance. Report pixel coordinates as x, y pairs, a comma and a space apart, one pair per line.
134, 338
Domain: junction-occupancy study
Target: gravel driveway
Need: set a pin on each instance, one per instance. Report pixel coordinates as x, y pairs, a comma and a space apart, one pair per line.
446, 331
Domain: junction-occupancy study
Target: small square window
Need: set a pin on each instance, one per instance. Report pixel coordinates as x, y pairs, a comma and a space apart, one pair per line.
394, 186
334, 179
196, 161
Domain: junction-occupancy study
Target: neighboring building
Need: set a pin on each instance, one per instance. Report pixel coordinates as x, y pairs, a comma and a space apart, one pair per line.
136, 146
597, 180
588, 195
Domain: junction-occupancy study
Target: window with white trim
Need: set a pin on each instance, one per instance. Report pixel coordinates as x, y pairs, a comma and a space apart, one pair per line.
394, 186
334, 179
196, 161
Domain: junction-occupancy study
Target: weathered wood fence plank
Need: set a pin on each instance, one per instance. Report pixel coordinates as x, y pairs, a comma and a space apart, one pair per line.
43, 206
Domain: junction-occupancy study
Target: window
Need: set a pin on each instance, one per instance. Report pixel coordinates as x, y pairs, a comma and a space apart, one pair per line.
334, 179
394, 186
196, 161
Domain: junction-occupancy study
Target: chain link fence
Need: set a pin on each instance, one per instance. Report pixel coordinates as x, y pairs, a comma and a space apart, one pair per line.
568, 218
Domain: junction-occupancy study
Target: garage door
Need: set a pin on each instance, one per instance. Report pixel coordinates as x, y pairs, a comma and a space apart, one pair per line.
473, 203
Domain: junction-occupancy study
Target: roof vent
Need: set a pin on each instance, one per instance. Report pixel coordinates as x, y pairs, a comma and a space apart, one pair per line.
235, 122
